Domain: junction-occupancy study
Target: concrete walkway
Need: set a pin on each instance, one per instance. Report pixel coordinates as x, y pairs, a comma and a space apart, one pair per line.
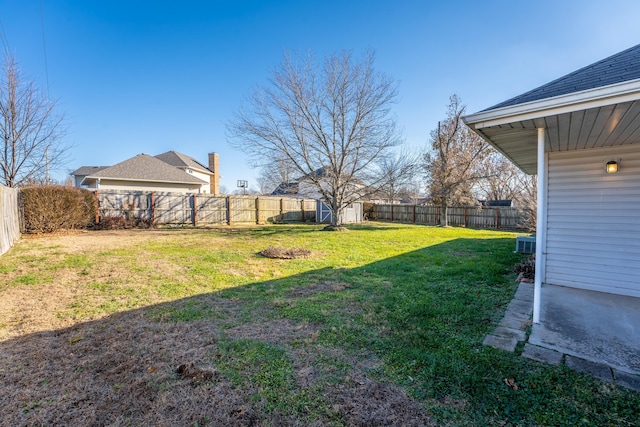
590, 332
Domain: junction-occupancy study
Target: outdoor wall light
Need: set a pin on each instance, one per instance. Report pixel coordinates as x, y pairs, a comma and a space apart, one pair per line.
611, 166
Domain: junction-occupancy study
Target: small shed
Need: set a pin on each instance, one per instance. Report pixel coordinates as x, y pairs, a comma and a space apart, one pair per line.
351, 214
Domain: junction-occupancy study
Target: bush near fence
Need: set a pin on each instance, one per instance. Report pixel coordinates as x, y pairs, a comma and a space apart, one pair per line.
469, 216
161, 208
49, 208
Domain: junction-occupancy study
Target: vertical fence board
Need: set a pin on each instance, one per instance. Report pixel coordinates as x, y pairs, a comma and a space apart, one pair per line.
202, 209
463, 216
212, 210
9, 218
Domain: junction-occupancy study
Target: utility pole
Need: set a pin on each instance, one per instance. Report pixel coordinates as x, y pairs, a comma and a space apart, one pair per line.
46, 158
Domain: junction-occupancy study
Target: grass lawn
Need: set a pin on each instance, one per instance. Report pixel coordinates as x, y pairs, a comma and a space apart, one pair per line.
381, 325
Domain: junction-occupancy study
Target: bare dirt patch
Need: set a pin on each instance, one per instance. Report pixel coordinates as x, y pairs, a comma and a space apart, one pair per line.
285, 253
82, 241
117, 371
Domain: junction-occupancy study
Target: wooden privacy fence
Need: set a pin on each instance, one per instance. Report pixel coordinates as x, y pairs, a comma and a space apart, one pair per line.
201, 209
472, 216
9, 218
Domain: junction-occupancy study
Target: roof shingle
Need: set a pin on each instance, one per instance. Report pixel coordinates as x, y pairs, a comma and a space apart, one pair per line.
180, 160
144, 167
87, 170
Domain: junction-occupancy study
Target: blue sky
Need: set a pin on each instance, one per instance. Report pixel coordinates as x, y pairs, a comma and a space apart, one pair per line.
152, 76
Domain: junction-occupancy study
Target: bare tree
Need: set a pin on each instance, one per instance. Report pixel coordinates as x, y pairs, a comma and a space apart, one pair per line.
264, 185
334, 118
399, 171
504, 181
454, 160
246, 192
274, 174
527, 199
502, 178
30, 130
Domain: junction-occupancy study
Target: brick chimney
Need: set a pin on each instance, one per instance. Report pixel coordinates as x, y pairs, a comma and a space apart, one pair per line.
215, 179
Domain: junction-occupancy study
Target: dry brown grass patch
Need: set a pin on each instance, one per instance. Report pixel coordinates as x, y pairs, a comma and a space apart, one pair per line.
149, 366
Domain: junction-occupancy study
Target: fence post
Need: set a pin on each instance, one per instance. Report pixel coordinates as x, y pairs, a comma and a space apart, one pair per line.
282, 210
497, 218
194, 210
392, 212
302, 209
465, 216
228, 210
97, 207
153, 208
414, 214
257, 210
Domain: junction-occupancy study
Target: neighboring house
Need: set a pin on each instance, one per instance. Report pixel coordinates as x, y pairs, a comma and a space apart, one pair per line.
306, 188
192, 166
169, 172
80, 174
144, 173
289, 189
581, 135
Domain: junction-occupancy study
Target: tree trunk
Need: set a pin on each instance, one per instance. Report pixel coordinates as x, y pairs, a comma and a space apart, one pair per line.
336, 215
444, 215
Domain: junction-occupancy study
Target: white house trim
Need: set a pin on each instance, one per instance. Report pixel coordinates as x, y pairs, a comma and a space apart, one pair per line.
541, 226
139, 180
592, 98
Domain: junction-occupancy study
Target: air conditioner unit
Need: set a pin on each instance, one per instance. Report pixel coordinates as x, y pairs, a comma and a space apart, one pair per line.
526, 244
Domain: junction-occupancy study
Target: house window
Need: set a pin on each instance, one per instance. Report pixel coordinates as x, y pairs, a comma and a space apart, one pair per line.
189, 171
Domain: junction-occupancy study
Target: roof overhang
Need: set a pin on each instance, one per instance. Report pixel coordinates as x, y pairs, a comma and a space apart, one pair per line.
599, 117
108, 178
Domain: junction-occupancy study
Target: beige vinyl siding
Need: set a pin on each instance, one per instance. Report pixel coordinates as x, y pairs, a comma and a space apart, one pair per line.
203, 176
593, 237
107, 184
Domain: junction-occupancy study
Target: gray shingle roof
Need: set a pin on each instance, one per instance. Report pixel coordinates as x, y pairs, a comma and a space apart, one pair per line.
87, 170
146, 168
286, 189
618, 68
180, 160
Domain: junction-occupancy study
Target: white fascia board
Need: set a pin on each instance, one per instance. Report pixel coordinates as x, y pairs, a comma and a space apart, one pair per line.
198, 169
204, 171
591, 98
148, 180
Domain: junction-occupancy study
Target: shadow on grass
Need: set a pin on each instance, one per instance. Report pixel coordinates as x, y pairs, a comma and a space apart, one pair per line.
291, 228
394, 342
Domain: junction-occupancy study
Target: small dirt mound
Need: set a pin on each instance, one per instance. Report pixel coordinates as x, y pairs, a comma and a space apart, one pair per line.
284, 253
193, 373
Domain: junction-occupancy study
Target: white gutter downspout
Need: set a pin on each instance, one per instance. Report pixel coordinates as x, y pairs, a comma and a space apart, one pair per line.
541, 226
